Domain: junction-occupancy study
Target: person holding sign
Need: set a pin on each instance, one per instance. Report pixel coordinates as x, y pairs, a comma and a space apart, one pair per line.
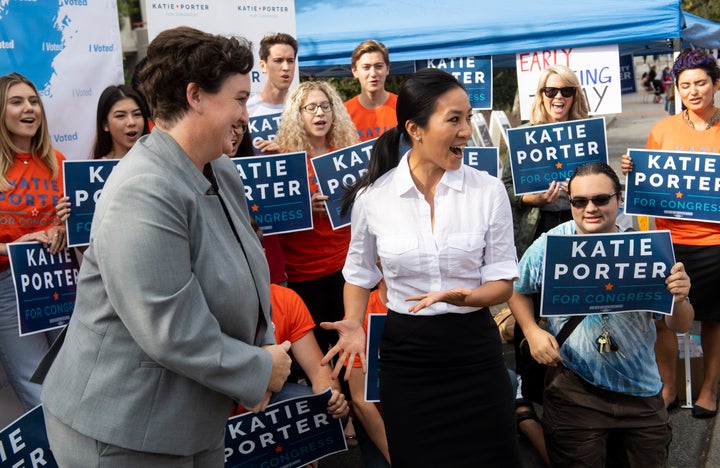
373, 110
696, 243
278, 53
602, 391
30, 185
315, 121
559, 98
172, 317
443, 233
121, 120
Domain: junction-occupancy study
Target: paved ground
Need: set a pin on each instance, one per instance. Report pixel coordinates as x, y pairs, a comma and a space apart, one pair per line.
696, 443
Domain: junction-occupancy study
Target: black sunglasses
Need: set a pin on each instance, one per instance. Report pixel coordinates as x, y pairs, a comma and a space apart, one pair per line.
598, 200
567, 91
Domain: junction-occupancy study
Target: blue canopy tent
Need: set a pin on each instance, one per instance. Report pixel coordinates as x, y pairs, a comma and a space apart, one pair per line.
701, 32
328, 30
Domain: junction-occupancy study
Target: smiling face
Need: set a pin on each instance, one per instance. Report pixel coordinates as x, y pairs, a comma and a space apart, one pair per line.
125, 124
696, 89
447, 132
226, 112
23, 115
558, 107
279, 66
371, 72
317, 124
594, 219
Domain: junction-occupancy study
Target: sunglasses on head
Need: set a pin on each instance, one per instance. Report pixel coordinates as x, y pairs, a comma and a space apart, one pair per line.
567, 91
598, 200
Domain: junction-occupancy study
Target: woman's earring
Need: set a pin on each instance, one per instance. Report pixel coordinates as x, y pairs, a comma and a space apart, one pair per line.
418, 138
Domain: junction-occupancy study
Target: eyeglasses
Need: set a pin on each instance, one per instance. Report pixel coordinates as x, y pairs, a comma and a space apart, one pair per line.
312, 108
568, 91
598, 200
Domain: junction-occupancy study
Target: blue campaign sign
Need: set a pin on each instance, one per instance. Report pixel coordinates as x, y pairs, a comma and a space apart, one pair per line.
475, 74
293, 432
376, 323
263, 127
541, 154
44, 285
83, 182
483, 159
277, 191
627, 74
24, 442
336, 170
674, 184
607, 273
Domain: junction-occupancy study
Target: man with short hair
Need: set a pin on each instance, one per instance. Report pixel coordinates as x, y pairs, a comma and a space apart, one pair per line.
605, 401
373, 110
278, 54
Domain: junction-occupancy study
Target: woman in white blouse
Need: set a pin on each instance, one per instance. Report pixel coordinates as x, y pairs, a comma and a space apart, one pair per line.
443, 233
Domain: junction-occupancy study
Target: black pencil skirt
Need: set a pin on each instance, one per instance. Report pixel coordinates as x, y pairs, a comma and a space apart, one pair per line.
446, 394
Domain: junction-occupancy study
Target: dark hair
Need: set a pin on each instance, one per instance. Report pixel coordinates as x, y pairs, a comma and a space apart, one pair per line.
245, 147
280, 38
135, 83
108, 98
696, 58
417, 101
592, 168
183, 55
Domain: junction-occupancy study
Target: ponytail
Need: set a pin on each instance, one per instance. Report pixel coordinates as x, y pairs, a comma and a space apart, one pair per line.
385, 156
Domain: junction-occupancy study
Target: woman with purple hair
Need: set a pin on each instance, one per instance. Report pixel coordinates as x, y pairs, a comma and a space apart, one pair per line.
696, 243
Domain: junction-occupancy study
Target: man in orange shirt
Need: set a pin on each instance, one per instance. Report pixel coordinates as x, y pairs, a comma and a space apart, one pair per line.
373, 110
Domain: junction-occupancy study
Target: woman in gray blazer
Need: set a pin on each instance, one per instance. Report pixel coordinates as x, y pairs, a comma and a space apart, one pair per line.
171, 319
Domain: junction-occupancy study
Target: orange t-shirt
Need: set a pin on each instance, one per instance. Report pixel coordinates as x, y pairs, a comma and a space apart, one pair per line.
29, 204
291, 318
371, 123
375, 306
291, 321
673, 134
318, 252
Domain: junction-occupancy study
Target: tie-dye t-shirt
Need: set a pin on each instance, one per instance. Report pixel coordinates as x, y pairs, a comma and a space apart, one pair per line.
634, 333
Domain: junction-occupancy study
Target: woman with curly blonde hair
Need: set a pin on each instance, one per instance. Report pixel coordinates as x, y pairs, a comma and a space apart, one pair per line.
315, 121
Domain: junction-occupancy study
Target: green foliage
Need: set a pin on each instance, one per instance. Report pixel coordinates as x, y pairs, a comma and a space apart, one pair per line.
128, 9
708, 9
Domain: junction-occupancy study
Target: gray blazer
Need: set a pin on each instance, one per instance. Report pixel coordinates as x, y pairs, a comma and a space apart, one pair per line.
165, 331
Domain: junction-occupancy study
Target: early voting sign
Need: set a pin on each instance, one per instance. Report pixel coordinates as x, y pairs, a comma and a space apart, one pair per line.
483, 159
24, 442
475, 74
607, 273
277, 191
45, 285
376, 324
83, 182
541, 154
263, 127
674, 184
336, 170
597, 68
293, 432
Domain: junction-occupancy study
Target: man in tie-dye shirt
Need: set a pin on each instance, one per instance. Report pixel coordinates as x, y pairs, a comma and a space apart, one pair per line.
590, 395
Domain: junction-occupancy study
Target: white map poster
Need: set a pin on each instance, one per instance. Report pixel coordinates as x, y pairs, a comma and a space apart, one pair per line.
71, 50
247, 18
